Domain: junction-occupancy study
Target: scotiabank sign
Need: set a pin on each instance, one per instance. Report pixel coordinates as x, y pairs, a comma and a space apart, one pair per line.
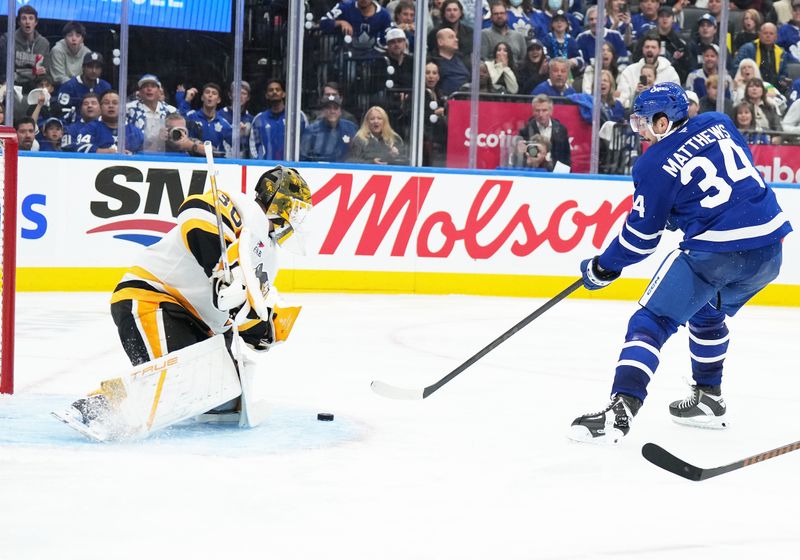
778, 164
498, 126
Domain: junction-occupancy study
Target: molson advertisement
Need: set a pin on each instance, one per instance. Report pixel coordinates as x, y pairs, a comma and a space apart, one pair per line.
376, 229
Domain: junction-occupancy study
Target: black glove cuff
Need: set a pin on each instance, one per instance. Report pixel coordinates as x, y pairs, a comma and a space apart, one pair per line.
601, 273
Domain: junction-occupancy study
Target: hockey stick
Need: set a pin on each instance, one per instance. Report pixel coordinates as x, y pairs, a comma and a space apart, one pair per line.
392, 392
660, 457
212, 175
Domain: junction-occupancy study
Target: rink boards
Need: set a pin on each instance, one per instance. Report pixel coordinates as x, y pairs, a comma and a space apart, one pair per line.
82, 221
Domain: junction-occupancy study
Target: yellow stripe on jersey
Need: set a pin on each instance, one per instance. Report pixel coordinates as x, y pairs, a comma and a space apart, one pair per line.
141, 294
249, 324
147, 313
196, 223
142, 274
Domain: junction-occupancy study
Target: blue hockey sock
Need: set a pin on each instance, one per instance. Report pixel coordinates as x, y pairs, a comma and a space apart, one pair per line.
640, 354
708, 345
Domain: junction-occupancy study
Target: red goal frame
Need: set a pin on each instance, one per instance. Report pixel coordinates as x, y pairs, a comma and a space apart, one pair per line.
10, 148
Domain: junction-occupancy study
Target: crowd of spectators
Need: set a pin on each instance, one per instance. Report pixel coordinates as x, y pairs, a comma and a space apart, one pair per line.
539, 48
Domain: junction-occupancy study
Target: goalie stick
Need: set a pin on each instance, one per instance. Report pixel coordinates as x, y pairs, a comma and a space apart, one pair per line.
392, 392
660, 457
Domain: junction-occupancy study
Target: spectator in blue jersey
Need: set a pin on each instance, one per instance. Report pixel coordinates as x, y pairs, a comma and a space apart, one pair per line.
71, 93
789, 32
66, 57
245, 118
586, 41
101, 136
52, 133
618, 18
731, 249
89, 111
268, 132
328, 138
520, 17
364, 21
148, 112
646, 19
543, 123
542, 19
560, 44
453, 72
557, 84
696, 81
499, 32
452, 18
207, 125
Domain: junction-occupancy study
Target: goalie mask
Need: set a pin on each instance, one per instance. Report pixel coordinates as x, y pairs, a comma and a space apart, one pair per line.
286, 199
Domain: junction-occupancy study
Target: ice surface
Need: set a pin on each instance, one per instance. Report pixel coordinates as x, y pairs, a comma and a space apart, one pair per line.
479, 470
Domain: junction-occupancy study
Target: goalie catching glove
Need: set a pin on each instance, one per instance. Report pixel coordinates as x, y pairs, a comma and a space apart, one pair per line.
595, 276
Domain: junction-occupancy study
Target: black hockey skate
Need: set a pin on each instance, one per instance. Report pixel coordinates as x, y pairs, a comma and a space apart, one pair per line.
609, 425
703, 408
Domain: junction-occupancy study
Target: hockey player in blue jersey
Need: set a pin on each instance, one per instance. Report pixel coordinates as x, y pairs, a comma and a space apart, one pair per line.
697, 176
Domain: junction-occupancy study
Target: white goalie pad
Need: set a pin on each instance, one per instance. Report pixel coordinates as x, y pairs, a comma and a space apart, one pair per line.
163, 392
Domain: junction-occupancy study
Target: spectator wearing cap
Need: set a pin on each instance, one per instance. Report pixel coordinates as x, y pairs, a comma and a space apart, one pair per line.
673, 48
268, 133
770, 58
207, 125
558, 82
328, 138
333, 88
532, 71
72, 91
148, 112
364, 21
101, 135
67, 55
50, 137
560, 44
586, 41
499, 32
398, 58
696, 81
706, 35
31, 49
646, 19
245, 118
628, 84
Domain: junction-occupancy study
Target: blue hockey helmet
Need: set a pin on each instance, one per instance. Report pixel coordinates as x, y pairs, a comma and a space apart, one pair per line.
665, 98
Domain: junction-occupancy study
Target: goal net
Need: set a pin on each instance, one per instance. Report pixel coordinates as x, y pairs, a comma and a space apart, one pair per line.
8, 254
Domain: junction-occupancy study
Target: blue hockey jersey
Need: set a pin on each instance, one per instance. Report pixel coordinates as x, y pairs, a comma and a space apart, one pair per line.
699, 179
97, 134
70, 94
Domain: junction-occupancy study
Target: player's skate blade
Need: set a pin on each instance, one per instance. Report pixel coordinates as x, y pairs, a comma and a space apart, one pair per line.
73, 420
582, 434
709, 422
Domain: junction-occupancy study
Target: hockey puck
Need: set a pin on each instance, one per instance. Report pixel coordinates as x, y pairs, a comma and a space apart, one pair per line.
325, 417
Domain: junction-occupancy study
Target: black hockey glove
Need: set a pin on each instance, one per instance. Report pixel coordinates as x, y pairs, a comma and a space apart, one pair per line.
595, 277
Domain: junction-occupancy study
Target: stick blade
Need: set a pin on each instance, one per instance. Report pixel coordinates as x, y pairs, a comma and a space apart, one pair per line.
662, 458
392, 392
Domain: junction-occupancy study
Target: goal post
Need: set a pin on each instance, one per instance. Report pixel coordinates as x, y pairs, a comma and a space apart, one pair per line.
8, 253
